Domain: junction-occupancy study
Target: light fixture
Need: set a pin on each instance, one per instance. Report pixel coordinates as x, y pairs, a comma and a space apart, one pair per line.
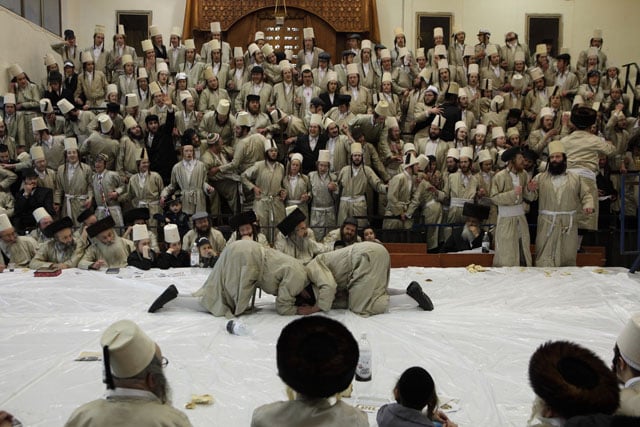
282, 15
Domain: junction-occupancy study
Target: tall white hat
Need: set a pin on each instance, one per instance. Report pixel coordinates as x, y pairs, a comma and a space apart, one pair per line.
131, 100
139, 232
5, 224
38, 124
454, 152
130, 349
65, 106
154, 31
175, 31
629, 342
484, 155
146, 45
324, 156
105, 123
440, 50
243, 119
466, 152
39, 214
49, 59
308, 33
215, 27
171, 233
70, 144
36, 152
189, 44
86, 56
438, 32
223, 107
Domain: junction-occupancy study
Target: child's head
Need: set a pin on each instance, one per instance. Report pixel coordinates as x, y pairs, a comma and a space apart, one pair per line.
415, 389
369, 234
204, 247
175, 206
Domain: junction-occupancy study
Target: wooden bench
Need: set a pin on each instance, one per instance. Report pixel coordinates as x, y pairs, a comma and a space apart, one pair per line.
415, 255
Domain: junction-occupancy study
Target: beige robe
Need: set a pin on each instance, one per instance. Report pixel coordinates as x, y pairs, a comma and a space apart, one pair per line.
146, 195
93, 91
303, 412
361, 103
228, 185
242, 268
282, 100
128, 156
269, 208
192, 186
582, 149
512, 231
115, 255
98, 143
101, 188
402, 199
560, 198
361, 269
21, 252
48, 254
432, 212
71, 194
209, 99
353, 187
295, 191
215, 238
303, 249
264, 91
53, 152
323, 204
139, 408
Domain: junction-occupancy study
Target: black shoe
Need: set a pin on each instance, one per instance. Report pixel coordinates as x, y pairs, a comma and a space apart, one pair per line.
414, 290
170, 293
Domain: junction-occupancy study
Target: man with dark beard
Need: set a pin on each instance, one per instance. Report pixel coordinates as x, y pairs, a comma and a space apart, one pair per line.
61, 250
560, 194
296, 239
202, 228
508, 191
347, 234
137, 389
433, 145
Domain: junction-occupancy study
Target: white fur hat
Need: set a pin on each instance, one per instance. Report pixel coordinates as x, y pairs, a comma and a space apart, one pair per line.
237, 52
154, 31
129, 122
308, 33
215, 45
497, 132
382, 108
296, 156
189, 44
629, 342
45, 106
223, 107
324, 156
10, 98
258, 36
86, 56
146, 45
546, 111
105, 123
316, 119
139, 232
352, 69
473, 69
70, 144
438, 32
171, 233
49, 59
131, 100
5, 224
440, 50
130, 349
64, 105
39, 214
481, 129
215, 27
484, 155
460, 124
38, 124
454, 152
243, 119
36, 152
270, 144
175, 31
466, 152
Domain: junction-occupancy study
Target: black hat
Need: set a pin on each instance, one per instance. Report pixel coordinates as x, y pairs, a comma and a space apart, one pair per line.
174, 198
591, 73
572, 380
344, 99
55, 76
291, 221
379, 46
58, 225
317, 102
350, 220
475, 210
69, 34
132, 215
252, 97
514, 113
151, 118
202, 241
29, 173
241, 219
257, 69
348, 52
565, 57
510, 154
324, 56
339, 244
317, 356
199, 215
104, 224
84, 215
354, 36
529, 154
112, 107
583, 117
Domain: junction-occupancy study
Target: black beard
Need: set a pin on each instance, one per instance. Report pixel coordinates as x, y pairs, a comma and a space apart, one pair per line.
433, 136
452, 169
557, 168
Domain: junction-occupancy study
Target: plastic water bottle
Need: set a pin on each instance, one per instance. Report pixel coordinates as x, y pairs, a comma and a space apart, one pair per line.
363, 370
195, 255
237, 327
486, 243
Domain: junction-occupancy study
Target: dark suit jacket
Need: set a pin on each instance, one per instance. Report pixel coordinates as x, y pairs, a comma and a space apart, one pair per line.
455, 242
324, 96
309, 156
23, 214
162, 154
